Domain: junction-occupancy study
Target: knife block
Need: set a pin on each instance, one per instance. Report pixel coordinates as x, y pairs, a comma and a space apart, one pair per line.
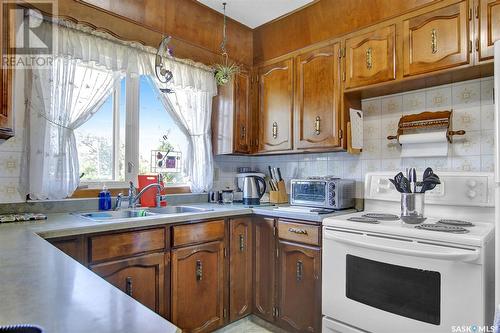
280, 196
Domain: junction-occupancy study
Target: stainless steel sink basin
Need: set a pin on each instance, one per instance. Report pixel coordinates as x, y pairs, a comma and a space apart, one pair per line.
102, 216
116, 215
177, 210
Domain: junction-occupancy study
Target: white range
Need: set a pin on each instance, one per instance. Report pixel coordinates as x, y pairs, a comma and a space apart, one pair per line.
381, 275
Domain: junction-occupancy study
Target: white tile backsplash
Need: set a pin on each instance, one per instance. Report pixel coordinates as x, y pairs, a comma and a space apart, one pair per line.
472, 104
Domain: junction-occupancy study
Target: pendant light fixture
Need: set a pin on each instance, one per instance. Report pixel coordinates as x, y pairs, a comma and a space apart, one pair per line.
225, 70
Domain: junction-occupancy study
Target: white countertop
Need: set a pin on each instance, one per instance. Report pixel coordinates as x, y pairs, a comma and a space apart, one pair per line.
41, 285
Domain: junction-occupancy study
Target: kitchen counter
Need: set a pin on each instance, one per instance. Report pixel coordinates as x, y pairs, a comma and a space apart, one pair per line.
43, 286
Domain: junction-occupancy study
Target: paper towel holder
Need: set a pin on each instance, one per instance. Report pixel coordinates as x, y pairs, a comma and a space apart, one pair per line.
425, 120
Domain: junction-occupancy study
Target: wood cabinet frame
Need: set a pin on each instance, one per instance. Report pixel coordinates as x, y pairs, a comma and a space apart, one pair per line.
6, 72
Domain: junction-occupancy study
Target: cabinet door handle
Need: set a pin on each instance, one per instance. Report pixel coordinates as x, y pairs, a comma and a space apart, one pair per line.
128, 286
369, 58
298, 231
275, 130
242, 243
199, 270
243, 132
317, 125
300, 270
434, 45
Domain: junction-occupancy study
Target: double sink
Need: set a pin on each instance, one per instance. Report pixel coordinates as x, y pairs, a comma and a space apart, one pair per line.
102, 216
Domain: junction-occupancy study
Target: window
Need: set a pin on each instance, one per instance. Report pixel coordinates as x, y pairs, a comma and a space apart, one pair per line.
131, 134
161, 143
101, 141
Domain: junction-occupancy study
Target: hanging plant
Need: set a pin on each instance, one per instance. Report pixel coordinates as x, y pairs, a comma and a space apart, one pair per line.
225, 70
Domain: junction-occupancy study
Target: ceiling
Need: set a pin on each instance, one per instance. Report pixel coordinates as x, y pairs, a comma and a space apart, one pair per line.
254, 13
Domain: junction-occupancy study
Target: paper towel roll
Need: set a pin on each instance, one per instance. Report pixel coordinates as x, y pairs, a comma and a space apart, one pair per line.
424, 144
427, 137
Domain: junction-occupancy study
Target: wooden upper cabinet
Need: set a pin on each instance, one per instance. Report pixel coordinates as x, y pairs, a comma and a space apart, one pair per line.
198, 287
299, 292
371, 57
276, 106
232, 117
436, 40
317, 107
264, 268
489, 27
240, 268
142, 278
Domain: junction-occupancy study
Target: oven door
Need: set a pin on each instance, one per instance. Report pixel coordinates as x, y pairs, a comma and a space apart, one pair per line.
309, 193
380, 283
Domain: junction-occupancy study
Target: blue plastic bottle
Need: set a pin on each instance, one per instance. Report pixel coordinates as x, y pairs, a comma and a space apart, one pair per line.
104, 199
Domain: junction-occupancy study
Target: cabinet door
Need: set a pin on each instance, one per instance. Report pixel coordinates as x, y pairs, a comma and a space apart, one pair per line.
265, 267
299, 294
276, 106
436, 40
371, 57
240, 268
198, 287
489, 27
317, 111
142, 278
242, 117
72, 246
6, 72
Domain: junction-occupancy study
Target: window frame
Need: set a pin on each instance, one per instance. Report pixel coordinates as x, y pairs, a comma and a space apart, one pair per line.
132, 135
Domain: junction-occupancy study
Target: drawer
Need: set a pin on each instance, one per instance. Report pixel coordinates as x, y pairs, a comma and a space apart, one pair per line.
198, 232
126, 244
298, 232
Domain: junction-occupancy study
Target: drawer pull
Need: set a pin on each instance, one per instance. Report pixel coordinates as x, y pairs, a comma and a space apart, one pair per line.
300, 270
199, 270
242, 243
275, 130
298, 231
317, 125
434, 46
128, 286
369, 58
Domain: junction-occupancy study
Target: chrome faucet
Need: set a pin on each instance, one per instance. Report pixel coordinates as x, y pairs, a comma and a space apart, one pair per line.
133, 198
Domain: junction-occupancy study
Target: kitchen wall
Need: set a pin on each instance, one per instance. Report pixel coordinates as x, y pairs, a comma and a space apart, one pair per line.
473, 111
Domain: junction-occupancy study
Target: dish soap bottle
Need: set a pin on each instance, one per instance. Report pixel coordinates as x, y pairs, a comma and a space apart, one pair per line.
104, 199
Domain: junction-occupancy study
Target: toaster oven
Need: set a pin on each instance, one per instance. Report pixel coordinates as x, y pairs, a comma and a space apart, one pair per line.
324, 192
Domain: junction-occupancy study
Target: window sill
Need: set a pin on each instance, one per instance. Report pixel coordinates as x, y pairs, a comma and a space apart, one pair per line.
94, 192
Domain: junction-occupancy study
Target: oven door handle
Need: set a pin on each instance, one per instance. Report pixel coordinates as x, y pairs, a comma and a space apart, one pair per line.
451, 255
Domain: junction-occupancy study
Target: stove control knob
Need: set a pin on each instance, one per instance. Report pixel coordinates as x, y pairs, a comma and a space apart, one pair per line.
471, 194
472, 183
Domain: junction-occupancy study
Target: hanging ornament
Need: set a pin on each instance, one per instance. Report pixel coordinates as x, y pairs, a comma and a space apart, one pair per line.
163, 74
225, 70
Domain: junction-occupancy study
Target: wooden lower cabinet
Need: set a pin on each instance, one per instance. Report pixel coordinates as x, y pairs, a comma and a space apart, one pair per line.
142, 278
240, 267
72, 246
198, 287
299, 291
264, 268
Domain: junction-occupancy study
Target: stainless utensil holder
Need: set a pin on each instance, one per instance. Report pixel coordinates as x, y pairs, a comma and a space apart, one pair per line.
412, 208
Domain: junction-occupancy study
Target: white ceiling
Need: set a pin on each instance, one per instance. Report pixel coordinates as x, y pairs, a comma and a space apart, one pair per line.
253, 13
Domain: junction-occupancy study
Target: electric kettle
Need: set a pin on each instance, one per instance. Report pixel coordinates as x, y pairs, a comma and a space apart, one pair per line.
253, 190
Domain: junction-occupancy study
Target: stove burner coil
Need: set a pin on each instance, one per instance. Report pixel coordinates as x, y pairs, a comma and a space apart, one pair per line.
363, 219
442, 228
457, 223
383, 217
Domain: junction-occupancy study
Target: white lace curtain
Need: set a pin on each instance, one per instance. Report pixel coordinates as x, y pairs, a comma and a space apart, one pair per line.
62, 99
65, 96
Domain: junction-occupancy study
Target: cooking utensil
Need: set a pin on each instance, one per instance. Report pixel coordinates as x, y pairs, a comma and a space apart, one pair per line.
403, 183
412, 177
396, 185
428, 172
